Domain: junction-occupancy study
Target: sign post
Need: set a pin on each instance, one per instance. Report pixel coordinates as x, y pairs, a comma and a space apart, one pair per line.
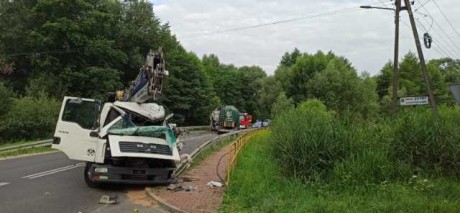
410, 101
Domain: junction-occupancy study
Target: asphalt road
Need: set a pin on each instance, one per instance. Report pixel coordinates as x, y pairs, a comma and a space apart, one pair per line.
53, 183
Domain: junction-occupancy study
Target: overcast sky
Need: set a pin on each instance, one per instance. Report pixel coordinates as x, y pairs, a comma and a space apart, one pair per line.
363, 36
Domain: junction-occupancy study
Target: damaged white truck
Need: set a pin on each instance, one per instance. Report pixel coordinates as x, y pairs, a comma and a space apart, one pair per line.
124, 141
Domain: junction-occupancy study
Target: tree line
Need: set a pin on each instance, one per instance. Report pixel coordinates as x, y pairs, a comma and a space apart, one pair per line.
333, 80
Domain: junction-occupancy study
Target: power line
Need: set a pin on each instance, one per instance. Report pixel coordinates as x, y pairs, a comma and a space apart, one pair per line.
427, 16
382, 3
447, 51
444, 15
283, 21
437, 41
451, 46
273, 23
329, 13
421, 5
440, 48
439, 26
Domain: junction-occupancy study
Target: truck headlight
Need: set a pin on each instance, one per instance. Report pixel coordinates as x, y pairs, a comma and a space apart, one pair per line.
101, 170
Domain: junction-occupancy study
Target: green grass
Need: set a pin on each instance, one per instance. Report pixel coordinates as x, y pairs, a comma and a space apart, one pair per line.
212, 148
258, 186
26, 151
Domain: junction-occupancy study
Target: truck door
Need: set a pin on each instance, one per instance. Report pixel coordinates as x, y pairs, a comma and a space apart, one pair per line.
77, 128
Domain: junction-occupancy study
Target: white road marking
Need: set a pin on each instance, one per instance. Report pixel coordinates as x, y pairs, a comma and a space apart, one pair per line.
4, 183
53, 171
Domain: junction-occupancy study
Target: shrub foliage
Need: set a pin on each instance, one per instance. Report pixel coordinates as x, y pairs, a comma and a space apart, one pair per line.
30, 118
312, 143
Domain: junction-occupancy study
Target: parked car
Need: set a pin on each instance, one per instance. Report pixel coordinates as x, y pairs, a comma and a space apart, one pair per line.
265, 123
257, 124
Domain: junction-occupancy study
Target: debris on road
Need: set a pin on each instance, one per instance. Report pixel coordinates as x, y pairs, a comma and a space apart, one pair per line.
172, 186
105, 199
179, 180
189, 178
175, 187
180, 187
189, 188
213, 184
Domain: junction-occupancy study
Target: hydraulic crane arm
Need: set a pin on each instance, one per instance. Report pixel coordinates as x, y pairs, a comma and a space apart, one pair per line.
149, 82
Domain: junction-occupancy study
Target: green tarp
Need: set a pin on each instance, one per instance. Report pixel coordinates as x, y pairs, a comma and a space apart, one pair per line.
126, 127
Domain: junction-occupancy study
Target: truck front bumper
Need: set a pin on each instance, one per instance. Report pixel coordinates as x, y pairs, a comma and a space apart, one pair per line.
102, 173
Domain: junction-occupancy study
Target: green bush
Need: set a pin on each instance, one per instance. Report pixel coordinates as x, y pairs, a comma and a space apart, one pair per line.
429, 144
30, 118
312, 143
257, 186
303, 141
315, 144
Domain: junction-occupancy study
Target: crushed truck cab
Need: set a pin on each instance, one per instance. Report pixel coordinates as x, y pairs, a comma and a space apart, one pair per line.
121, 142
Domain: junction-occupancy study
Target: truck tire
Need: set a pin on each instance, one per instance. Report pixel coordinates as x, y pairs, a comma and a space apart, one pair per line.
87, 176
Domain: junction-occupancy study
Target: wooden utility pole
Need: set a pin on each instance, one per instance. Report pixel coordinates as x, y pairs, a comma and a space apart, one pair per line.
420, 55
396, 58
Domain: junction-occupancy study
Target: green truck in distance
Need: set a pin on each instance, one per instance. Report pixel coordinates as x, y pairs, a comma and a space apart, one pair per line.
225, 119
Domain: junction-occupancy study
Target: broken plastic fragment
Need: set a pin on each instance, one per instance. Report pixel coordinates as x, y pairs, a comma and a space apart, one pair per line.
105, 199
213, 184
189, 188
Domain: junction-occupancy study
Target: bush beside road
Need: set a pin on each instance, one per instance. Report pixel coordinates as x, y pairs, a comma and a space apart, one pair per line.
258, 185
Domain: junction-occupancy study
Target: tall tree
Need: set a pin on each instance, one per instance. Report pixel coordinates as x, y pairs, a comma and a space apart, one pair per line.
17, 19
282, 105
250, 87
289, 58
188, 91
341, 89
411, 81
269, 91
299, 74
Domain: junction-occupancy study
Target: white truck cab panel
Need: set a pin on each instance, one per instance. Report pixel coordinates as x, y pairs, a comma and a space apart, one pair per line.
143, 147
77, 128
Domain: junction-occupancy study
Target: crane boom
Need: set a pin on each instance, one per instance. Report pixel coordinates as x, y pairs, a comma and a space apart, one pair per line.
148, 84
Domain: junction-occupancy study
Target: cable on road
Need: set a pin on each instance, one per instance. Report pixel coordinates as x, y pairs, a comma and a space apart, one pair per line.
217, 168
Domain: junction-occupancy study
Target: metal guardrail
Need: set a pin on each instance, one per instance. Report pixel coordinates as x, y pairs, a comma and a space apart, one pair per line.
235, 148
202, 147
48, 142
27, 145
193, 128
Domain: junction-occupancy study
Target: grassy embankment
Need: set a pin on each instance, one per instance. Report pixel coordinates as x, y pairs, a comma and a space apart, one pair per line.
258, 186
315, 160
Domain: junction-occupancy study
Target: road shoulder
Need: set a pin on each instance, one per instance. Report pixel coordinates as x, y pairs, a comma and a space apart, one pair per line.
201, 198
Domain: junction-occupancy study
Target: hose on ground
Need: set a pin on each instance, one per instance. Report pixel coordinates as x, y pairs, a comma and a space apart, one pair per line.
217, 168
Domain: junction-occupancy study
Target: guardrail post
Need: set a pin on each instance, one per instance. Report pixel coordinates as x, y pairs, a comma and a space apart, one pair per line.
234, 150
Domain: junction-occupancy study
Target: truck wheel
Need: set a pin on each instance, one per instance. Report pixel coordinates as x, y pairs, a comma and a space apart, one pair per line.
87, 176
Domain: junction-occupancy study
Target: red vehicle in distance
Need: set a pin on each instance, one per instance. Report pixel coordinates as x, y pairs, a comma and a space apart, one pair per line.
245, 120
